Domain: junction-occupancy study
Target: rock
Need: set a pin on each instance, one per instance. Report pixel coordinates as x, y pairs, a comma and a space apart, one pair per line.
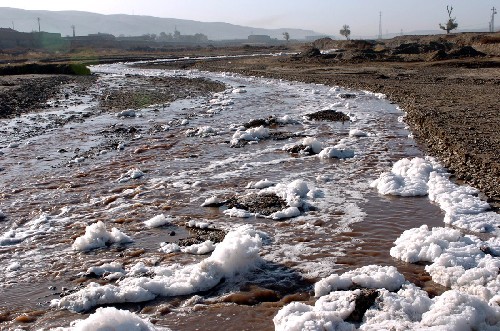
328, 115
263, 204
364, 300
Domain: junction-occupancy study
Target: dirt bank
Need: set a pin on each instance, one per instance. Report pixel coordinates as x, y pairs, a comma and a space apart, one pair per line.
452, 104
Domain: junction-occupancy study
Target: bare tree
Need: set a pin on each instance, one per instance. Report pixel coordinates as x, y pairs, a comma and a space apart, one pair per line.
286, 36
345, 31
451, 24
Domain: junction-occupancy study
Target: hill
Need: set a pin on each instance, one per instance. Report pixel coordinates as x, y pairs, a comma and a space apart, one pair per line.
130, 25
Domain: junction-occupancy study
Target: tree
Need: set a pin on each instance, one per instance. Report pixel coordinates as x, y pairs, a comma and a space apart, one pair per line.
286, 36
451, 24
345, 31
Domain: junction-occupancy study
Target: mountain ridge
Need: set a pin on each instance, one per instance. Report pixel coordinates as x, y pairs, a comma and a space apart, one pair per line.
131, 25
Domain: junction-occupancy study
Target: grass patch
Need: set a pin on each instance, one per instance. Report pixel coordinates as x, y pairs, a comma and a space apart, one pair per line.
49, 68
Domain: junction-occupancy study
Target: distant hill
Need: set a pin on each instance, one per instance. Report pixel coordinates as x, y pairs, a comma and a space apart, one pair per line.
130, 25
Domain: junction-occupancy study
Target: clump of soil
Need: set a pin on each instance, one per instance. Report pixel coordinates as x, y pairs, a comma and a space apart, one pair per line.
328, 115
263, 204
265, 122
300, 149
199, 236
141, 92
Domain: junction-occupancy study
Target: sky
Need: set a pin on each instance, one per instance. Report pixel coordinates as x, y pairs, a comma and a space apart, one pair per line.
322, 16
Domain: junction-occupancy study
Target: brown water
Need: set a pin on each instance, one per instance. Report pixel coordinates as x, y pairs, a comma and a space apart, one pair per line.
48, 199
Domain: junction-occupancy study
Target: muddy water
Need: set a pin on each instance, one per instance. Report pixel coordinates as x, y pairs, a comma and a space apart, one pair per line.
64, 177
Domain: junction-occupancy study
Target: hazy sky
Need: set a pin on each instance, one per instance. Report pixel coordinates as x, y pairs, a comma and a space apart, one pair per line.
324, 16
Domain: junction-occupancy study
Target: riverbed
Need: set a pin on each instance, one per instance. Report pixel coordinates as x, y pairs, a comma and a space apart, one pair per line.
177, 165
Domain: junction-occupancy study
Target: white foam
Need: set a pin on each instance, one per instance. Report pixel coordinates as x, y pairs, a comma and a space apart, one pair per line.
236, 254
285, 213
315, 145
458, 261
239, 90
212, 201
409, 308
131, 174
461, 312
339, 151
169, 248
407, 177
293, 193
198, 224
261, 184
199, 249
328, 313
371, 276
158, 220
357, 133
110, 318
97, 236
252, 134
240, 213
462, 207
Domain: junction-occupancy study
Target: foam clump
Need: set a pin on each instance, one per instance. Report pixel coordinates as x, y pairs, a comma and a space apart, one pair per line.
157, 221
131, 174
410, 308
465, 263
212, 202
285, 213
401, 310
328, 313
357, 133
287, 119
97, 236
422, 244
169, 248
261, 184
315, 145
293, 193
199, 249
407, 177
371, 276
252, 134
239, 90
461, 312
236, 254
127, 113
236, 212
462, 206
110, 318
339, 151
202, 131
197, 224
113, 267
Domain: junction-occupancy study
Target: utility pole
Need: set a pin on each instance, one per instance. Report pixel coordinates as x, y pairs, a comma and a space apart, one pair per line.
380, 26
38, 18
73, 27
492, 22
